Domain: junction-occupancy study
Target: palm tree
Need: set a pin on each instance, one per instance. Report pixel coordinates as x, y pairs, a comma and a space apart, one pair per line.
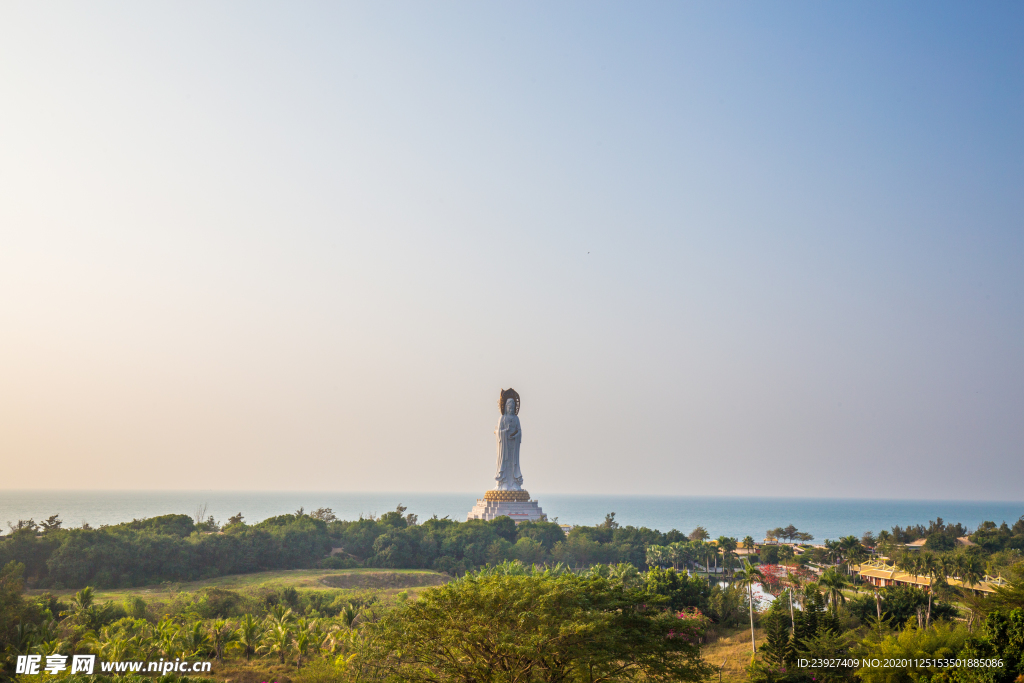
625, 573
878, 603
281, 615
249, 635
793, 582
909, 563
746, 578
851, 550
348, 615
167, 637
971, 571
83, 599
699, 550
748, 543
221, 636
833, 582
883, 543
679, 552
930, 567
728, 546
109, 644
278, 641
194, 639
655, 555
303, 639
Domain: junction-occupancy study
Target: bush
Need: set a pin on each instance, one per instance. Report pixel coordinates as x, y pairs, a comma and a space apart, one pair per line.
339, 562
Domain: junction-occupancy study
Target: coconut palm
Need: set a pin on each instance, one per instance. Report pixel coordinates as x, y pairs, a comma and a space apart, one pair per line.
144, 641
970, 570
851, 550
303, 641
679, 554
728, 546
318, 634
48, 647
931, 568
748, 543
833, 582
348, 615
625, 573
166, 638
793, 582
746, 578
194, 640
83, 599
222, 636
108, 644
280, 615
656, 555
86, 612
278, 641
249, 636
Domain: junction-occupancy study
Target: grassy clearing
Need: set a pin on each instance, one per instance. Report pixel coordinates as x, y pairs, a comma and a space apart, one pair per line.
310, 579
734, 650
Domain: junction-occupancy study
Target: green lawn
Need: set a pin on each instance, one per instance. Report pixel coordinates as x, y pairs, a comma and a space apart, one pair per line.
315, 579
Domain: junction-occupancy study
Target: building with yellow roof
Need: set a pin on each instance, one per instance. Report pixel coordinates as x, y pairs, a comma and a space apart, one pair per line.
880, 573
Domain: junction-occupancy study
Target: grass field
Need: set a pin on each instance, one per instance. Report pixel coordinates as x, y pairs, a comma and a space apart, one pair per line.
387, 580
731, 654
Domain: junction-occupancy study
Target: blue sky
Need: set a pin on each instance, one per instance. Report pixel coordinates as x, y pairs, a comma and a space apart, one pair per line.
718, 248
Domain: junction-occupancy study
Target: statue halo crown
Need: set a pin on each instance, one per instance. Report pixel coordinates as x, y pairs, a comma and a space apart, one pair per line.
506, 394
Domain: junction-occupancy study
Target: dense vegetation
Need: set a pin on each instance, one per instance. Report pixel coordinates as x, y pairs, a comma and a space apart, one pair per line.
180, 548
177, 548
529, 602
509, 622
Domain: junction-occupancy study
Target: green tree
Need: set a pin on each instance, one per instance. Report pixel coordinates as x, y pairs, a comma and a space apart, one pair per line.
499, 626
135, 607
12, 607
303, 642
792, 584
167, 637
944, 641
221, 636
778, 649
278, 641
678, 588
249, 636
195, 640
746, 578
657, 555
833, 582
728, 547
680, 553
528, 551
1002, 639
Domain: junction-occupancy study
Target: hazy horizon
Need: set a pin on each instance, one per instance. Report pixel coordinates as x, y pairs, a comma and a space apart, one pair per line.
199, 493
728, 250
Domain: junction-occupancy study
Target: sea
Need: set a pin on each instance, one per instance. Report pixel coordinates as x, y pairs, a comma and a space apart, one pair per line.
824, 518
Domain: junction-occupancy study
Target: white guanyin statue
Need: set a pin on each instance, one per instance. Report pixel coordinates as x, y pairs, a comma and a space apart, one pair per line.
509, 434
507, 498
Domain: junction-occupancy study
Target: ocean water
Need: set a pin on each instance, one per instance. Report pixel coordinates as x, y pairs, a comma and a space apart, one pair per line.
739, 517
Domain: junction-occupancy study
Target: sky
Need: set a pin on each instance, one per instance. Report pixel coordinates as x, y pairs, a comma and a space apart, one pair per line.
718, 248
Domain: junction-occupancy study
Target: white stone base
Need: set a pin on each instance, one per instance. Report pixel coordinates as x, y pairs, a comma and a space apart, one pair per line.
519, 512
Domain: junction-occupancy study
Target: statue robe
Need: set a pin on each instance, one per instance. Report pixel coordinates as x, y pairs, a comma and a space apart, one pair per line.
510, 436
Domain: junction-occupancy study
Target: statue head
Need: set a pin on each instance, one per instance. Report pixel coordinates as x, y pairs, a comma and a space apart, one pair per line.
510, 406
506, 395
